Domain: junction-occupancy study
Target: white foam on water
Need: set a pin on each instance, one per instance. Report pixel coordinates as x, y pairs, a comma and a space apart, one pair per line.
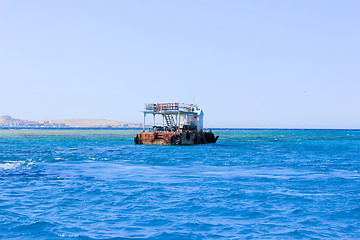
16, 165
10, 165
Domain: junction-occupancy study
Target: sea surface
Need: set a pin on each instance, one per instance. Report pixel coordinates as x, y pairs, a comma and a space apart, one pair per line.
251, 184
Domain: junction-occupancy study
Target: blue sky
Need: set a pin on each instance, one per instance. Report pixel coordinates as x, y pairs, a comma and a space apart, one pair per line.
291, 64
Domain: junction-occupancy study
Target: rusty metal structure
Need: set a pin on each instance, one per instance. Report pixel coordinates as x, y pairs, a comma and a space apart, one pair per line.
182, 124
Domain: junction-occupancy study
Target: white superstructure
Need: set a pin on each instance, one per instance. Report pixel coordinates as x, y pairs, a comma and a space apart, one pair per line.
175, 116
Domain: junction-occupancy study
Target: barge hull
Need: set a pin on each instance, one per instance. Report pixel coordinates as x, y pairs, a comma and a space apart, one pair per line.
175, 138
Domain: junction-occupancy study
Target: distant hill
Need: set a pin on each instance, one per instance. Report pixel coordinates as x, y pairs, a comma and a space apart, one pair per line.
7, 121
101, 123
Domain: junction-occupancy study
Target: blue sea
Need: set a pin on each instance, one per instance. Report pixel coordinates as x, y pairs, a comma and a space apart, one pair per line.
251, 184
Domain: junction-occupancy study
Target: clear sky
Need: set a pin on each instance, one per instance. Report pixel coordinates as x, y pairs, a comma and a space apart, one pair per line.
247, 63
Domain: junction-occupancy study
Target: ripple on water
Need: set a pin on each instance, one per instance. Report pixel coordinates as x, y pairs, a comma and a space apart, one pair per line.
252, 184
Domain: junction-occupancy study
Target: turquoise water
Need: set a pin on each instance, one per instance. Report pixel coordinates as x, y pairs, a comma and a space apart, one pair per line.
268, 184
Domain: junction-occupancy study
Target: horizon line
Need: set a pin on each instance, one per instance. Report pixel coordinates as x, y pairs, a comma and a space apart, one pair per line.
130, 128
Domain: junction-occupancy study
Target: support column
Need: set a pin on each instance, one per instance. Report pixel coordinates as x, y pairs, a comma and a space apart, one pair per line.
144, 122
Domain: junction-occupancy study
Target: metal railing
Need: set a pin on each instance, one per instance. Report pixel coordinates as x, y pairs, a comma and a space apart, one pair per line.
167, 107
160, 107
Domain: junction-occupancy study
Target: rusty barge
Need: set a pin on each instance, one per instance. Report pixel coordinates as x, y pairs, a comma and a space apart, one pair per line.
182, 124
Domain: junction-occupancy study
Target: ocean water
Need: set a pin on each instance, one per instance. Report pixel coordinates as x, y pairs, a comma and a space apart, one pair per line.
251, 184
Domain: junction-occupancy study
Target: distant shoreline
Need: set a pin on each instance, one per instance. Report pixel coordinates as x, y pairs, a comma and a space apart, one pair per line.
220, 129
67, 128
9, 122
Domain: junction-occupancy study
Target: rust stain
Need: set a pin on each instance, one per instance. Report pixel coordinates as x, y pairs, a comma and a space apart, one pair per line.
157, 138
